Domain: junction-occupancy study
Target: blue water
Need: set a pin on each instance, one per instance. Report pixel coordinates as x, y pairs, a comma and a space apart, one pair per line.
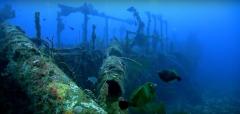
216, 75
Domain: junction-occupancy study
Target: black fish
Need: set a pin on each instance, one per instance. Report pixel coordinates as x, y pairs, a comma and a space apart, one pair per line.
168, 75
71, 28
123, 104
131, 9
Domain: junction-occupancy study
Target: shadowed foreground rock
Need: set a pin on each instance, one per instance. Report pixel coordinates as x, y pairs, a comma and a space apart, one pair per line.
49, 89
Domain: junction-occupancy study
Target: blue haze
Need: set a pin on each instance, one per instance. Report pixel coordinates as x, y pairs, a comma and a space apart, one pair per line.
216, 25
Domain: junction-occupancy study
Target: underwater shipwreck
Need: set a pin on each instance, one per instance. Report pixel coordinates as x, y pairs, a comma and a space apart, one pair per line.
42, 75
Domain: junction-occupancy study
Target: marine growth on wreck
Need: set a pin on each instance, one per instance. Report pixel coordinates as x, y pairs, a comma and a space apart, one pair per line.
117, 57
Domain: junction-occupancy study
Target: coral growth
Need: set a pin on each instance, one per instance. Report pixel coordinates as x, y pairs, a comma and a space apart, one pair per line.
49, 89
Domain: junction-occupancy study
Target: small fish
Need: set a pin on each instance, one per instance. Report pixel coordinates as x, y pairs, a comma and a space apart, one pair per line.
44, 19
140, 97
71, 28
168, 76
92, 79
131, 9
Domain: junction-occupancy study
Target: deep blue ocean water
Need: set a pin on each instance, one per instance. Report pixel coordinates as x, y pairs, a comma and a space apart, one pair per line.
215, 25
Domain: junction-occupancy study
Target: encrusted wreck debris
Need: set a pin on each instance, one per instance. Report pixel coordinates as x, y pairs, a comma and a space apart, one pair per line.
81, 63
50, 77
88, 10
112, 75
50, 90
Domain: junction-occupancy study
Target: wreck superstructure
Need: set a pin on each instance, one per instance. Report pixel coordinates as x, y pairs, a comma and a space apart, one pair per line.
61, 79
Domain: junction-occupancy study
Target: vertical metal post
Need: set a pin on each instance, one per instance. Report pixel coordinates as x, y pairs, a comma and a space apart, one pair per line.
38, 28
85, 23
166, 36
106, 31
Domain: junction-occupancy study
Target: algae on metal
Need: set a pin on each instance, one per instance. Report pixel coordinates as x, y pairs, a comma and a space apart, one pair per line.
50, 89
113, 68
